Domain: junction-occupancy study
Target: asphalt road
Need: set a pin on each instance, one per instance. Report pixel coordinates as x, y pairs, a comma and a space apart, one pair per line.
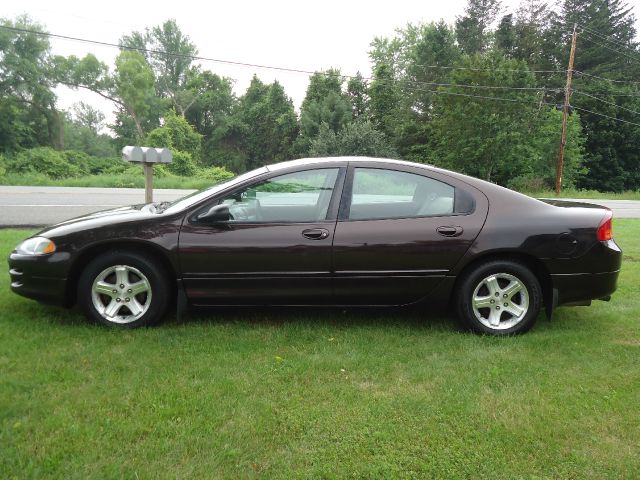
38, 206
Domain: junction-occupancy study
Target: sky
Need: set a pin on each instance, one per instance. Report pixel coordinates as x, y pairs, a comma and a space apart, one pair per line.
287, 33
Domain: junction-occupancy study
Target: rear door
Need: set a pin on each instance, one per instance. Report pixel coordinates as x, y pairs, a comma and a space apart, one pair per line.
400, 231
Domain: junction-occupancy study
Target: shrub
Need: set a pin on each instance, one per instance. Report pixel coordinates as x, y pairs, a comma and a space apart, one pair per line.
183, 164
43, 160
215, 174
528, 183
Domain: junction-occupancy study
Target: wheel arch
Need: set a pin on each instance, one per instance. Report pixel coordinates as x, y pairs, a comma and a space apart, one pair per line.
88, 254
534, 264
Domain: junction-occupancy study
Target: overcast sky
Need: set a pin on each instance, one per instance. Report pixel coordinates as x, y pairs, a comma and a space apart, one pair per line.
288, 33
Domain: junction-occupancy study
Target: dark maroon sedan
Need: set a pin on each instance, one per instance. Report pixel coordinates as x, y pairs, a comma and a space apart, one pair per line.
334, 231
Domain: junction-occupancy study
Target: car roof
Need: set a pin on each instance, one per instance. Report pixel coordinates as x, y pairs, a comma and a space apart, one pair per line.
329, 160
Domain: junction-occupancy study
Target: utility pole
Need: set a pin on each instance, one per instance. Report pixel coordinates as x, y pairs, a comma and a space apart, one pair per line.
565, 112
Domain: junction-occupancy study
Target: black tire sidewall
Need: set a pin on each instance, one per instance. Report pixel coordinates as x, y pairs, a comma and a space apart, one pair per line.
148, 266
464, 307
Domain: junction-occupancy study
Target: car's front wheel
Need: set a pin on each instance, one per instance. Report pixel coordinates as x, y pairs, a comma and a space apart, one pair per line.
499, 298
123, 289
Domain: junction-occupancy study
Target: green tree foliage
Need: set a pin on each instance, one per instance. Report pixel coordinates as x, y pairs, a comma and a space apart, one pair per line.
505, 36
324, 104
83, 132
265, 125
26, 88
43, 160
385, 99
491, 139
134, 85
539, 171
130, 87
211, 116
472, 29
358, 138
402, 93
611, 147
169, 56
358, 95
184, 142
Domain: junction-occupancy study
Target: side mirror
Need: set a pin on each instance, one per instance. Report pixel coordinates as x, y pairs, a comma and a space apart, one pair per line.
217, 213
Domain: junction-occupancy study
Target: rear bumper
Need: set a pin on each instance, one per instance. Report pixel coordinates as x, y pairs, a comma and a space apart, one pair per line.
582, 287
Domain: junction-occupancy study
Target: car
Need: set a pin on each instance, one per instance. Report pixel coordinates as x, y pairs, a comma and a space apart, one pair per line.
344, 231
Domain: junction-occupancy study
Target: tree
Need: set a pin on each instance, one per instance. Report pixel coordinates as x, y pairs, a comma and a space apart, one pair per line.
169, 53
472, 29
611, 161
385, 96
130, 87
506, 36
134, 85
357, 93
267, 123
81, 132
27, 83
87, 116
402, 93
184, 142
324, 103
492, 139
210, 115
359, 138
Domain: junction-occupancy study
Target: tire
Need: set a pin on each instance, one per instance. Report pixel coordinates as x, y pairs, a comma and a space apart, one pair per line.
124, 289
500, 297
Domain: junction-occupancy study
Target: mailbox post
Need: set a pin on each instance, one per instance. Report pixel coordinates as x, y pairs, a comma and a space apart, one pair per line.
147, 156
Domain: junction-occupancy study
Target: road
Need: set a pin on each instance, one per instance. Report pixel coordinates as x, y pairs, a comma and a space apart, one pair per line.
38, 206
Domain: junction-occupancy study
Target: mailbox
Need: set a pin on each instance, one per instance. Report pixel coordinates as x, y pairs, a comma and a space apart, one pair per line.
147, 156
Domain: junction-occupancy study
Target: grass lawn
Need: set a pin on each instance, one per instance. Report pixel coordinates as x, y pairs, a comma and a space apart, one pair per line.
321, 394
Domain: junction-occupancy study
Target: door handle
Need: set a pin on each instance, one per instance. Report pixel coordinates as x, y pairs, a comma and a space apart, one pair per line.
315, 233
450, 231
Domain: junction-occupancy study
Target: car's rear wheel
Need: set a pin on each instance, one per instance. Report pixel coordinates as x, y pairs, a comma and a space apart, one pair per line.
499, 298
123, 289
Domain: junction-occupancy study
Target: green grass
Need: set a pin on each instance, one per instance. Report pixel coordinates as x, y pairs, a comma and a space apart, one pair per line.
106, 181
289, 394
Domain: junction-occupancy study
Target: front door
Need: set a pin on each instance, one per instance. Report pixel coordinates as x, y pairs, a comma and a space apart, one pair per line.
275, 248
400, 232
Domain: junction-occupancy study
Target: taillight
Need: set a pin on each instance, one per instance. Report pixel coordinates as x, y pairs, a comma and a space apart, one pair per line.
605, 229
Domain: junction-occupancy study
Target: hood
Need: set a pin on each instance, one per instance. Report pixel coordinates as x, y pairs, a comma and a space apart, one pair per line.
102, 218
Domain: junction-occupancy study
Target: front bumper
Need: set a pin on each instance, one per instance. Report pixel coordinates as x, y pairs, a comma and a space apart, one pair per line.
38, 277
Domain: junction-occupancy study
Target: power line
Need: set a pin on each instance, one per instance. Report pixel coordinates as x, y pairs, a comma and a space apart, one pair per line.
461, 85
607, 102
160, 52
308, 72
604, 37
606, 116
584, 74
498, 99
271, 67
490, 69
610, 94
619, 52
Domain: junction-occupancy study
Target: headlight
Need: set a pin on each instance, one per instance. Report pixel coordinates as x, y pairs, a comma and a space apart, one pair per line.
36, 246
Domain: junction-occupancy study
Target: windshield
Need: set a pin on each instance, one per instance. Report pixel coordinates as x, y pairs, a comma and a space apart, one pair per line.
195, 197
